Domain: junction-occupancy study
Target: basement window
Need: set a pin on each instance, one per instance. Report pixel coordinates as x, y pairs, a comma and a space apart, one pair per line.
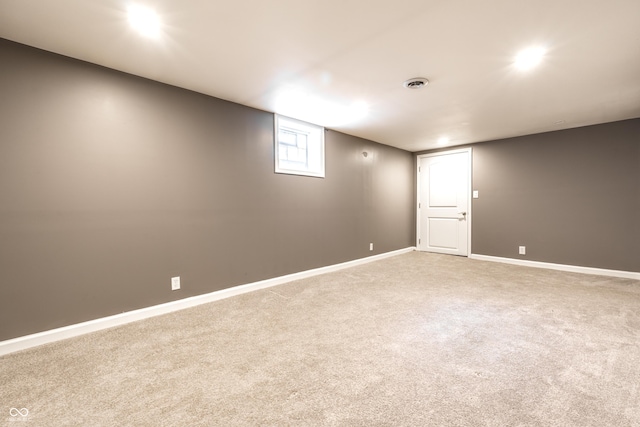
299, 147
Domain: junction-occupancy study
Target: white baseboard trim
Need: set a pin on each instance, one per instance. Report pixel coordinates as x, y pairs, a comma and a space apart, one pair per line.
40, 338
561, 267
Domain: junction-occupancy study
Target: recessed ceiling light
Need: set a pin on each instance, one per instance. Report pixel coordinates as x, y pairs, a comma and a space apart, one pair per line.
529, 58
416, 83
144, 20
443, 140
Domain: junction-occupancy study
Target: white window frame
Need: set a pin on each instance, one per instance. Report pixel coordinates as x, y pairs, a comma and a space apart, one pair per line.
314, 146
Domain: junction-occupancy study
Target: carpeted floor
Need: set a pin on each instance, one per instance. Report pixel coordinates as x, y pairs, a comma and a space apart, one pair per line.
415, 340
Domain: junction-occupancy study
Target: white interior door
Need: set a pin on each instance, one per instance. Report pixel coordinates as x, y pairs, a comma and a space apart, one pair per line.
444, 202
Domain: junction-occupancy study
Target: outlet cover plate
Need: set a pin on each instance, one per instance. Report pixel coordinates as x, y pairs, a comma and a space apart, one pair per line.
175, 283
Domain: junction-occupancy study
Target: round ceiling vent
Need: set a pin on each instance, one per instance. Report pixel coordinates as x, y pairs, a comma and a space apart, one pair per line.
416, 83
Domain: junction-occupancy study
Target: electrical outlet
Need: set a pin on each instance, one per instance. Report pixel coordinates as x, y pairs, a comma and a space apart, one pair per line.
522, 250
370, 246
475, 194
175, 283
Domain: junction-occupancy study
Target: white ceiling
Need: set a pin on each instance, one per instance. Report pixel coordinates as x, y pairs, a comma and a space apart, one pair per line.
315, 59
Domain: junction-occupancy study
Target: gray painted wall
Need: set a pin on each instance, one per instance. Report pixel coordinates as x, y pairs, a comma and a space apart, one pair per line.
571, 197
111, 184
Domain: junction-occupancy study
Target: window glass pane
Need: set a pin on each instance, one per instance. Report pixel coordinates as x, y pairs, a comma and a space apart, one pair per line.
302, 141
286, 137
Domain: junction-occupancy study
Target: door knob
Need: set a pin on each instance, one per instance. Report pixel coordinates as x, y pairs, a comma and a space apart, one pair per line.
464, 215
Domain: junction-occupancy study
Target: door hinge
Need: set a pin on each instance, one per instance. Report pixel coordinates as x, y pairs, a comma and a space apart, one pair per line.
419, 241
419, 205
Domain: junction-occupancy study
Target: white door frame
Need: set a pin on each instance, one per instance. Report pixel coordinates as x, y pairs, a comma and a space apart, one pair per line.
470, 190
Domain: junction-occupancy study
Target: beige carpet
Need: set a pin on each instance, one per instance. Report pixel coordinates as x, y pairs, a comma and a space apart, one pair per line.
414, 340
